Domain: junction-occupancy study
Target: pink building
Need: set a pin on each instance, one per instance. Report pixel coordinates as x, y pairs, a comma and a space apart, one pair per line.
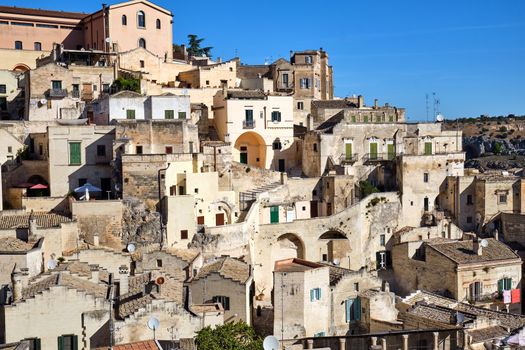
116, 28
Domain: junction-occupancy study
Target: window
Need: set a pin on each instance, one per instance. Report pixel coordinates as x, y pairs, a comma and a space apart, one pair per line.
353, 119
365, 119
3, 89
225, 301
504, 284
141, 19
276, 145
68, 342
74, 153
304, 83
502, 198
300, 105
353, 310
56, 84
425, 177
40, 149
18, 45
469, 219
159, 262
315, 147
38, 46
276, 116
391, 118
248, 114
308, 59
196, 190
475, 290
382, 240
200, 220
285, 80
142, 43
101, 150
428, 148
130, 114
315, 294
182, 115
426, 204
469, 199
356, 287
139, 150
158, 24
383, 260
183, 234
3, 103
169, 150
142, 64
34, 343
9, 149
124, 20
319, 334
169, 114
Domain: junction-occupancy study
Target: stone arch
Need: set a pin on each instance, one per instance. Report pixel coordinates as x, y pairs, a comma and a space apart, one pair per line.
335, 246
21, 67
250, 149
289, 245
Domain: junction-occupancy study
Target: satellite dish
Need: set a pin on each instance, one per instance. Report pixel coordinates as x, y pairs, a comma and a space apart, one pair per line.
51, 264
160, 281
440, 117
153, 323
336, 262
131, 248
271, 343
484, 243
43, 101
108, 40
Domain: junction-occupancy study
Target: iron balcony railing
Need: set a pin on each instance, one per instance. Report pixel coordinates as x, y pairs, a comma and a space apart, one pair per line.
248, 124
348, 158
57, 93
379, 157
75, 94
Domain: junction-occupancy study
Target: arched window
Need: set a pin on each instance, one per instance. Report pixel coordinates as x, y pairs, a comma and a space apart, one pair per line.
18, 45
38, 46
124, 20
158, 23
142, 43
141, 19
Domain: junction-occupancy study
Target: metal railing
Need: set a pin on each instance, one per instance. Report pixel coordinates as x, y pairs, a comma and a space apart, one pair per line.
248, 124
57, 93
379, 157
348, 158
75, 94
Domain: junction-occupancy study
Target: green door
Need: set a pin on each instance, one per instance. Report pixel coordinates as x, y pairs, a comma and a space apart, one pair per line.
274, 214
74, 153
428, 148
391, 152
348, 151
373, 150
244, 158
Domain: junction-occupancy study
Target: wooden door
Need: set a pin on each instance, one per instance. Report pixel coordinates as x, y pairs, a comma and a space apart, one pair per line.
313, 209
219, 219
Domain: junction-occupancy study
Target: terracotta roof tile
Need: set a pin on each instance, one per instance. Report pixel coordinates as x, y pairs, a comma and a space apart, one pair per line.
141, 345
227, 267
462, 252
40, 12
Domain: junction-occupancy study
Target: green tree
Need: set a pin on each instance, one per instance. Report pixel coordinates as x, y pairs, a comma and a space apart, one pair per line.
230, 336
129, 84
195, 49
367, 188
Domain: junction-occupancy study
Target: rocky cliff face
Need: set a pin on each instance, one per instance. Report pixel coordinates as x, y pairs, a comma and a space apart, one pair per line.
140, 224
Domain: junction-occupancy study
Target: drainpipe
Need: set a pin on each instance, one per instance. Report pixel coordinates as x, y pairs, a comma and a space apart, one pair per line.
161, 207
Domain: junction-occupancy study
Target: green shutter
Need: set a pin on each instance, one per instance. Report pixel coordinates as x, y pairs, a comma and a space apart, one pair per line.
249, 115
130, 114
312, 295
357, 309
378, 260
391, 152
373, 150
274, 214
182, 115
60, 341
428, 148
74, 340
74, 153
353, 119
348, 310
169, 114
38, 345
319, 289
348, 151
500, 286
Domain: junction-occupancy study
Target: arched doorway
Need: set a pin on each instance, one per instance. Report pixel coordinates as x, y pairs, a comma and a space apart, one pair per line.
20, 67
335, 248
288, 246
250, 149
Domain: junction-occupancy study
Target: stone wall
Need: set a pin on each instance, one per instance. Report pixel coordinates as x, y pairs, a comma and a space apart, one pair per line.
100, 218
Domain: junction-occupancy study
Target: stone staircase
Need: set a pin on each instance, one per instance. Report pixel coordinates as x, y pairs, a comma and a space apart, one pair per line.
247, 198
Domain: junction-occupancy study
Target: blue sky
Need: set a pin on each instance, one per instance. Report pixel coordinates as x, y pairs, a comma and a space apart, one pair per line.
471, 53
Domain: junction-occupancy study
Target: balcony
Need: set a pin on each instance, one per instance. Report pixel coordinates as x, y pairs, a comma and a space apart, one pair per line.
57, 93
248, 124
348, 158
379, 157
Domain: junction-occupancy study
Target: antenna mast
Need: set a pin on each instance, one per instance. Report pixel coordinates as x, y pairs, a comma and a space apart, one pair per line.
426, 100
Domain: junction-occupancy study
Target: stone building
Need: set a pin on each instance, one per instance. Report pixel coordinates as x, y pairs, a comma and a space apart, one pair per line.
128, 105
12, 85
259, 126
115, 28
482, 272
218, 75
57, 92
227, 281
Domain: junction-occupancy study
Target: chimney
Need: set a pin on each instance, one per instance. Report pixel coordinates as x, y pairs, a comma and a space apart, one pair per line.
360, 101
219, 60
123, 272
476, 246
95, 273
96, 240
20, 280
386, 287
496, 234
375, 103
32, 225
